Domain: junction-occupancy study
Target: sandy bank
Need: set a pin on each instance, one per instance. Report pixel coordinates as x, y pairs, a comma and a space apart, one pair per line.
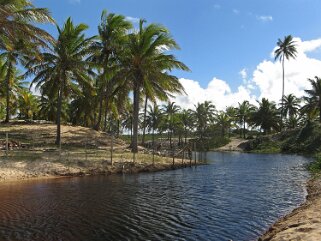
304, 223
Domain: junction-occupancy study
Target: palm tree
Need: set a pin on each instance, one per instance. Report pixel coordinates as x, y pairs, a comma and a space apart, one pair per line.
60, 69
12, 82
48, 109
286, 50
223, 121
17, 18
315, 94
291, 105
154, 118
146, 62
244, 111
28, 105
169, 111
112, 36
266, 116
187, 119
204, 113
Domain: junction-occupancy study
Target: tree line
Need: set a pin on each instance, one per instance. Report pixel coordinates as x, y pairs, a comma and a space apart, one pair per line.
114, 80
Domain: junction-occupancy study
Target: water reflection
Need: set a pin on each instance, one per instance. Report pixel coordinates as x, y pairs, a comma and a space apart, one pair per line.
235, 197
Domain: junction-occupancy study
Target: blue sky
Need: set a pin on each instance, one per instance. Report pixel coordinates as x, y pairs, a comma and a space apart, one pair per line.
218, 38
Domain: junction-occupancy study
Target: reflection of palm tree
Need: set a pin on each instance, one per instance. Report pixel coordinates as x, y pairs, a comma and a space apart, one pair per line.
64, 66
286, 50
315, 94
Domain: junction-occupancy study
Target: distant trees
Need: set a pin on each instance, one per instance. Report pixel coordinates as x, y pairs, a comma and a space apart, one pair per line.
314, 96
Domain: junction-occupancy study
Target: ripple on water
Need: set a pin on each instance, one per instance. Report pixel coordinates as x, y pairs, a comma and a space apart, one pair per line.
236, 196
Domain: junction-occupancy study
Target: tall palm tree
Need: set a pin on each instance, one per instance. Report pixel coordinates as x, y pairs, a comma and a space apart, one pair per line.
286, 50
146, 61
112, 36
65, 65
48, 108
315, 94
28, 105
12, 54
17, 18
187, 119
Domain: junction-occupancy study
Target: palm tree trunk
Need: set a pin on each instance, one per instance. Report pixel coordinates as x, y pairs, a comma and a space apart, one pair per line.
105, 120
100, 113
144, 121
282, 104
153, 141
8, 93
58, 137
244, 128
134, 144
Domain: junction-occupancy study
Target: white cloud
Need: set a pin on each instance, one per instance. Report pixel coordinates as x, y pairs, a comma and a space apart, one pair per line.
132, 19
217, 91
266, 80
243, 74
263, 18
268, 74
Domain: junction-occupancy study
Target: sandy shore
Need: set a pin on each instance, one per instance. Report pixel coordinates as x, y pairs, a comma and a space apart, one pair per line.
234, 145
304, 223
23, 170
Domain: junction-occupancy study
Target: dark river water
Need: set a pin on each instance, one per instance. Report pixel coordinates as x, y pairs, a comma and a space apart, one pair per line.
237, 196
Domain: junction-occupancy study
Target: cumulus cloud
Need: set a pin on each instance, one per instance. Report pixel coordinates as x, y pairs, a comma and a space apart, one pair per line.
265, 18
265, 81
268, 74
132, 19
217, 91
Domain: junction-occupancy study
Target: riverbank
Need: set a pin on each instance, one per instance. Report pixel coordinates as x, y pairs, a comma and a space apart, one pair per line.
303, 223
28, 152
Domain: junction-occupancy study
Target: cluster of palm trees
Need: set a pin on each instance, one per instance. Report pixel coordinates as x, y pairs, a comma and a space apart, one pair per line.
85, 80
105, 81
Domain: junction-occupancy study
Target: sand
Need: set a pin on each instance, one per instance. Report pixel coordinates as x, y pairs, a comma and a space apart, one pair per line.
304, 223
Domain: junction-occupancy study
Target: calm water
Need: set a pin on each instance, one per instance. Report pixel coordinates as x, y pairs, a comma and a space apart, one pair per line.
236, 196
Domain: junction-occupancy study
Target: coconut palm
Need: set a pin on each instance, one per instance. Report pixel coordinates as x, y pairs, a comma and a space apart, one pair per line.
17, 18
146, 62
223, 120
61, 68
12, 83
244, 111
204, 113
112, 36
291, 105
28, 105
286, 50
266, 116
169, 111
315, 94
187, 119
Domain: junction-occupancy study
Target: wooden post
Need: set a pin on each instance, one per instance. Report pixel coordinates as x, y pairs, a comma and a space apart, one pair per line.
183, 157
7, 144
173, 156
86, 154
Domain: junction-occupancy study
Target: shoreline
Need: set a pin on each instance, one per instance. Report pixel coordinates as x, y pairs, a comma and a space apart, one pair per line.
303, 223
43, 170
